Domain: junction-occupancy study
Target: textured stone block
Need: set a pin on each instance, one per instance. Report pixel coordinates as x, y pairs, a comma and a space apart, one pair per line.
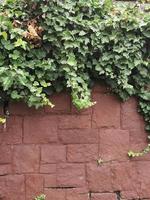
106, 112
40, 129
62, 103
99, 178
100, 88
130, 118
34, 186
22, 109
138, 137
103, 196
124, 177
82, 152
143, 177
14, 188
74, 110
5, 154
26, 159
12, 134
130, 195
55, 194
77, 194
71, 175
50, 181
5, 169
74, 121
79, 136
114, 144
53, 153
48, 168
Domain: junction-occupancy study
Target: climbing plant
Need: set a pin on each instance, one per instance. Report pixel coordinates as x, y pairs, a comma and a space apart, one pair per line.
47, 46
41, 197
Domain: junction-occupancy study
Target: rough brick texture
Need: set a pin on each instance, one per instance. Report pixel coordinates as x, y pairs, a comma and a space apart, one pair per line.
74, 155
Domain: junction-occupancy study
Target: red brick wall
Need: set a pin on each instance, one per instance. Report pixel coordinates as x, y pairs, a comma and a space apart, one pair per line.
55, 151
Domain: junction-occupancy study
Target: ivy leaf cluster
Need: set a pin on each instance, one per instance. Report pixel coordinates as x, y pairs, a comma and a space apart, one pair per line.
47, 46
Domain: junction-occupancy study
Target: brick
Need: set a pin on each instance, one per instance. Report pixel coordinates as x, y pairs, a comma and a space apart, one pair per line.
114, 144
34, 186
55, 194
124, 177
48, 168
103, 196
74, 110
82, 152
50, 181
71, 175
53, 154
26, 159
22, 109
41, 129
77, 194
100, 88
138, 136
99, 178
15, 188
106, 112
5, 170
130, 118
130, 195
13, 132
3, 187
74, 121
62, 103
143, 177
79, 136
5, 154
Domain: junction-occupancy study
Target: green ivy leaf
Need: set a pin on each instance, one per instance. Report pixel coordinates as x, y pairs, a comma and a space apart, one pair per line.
21, 43
5, 35
72, 60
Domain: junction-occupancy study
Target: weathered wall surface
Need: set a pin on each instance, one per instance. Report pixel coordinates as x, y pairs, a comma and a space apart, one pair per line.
56, 151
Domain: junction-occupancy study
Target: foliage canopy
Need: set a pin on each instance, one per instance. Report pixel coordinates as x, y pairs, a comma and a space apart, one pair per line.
47, 46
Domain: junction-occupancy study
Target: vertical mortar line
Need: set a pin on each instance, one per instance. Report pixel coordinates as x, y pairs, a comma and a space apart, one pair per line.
90, 195
70, 104
39, 157
66, 145
12, 155
129, 139
56, 174
121, 115
86, 179
43, 182
25, 187
92, 111
65, 194
23, 120
99, 142
58, 141
57, 128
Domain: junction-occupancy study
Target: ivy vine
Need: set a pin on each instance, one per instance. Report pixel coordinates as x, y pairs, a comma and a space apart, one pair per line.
47, 46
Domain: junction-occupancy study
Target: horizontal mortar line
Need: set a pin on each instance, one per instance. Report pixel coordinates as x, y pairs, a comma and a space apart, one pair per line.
57, 188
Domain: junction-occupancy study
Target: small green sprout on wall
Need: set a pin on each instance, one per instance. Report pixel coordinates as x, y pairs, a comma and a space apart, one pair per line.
41, 197
2, 120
